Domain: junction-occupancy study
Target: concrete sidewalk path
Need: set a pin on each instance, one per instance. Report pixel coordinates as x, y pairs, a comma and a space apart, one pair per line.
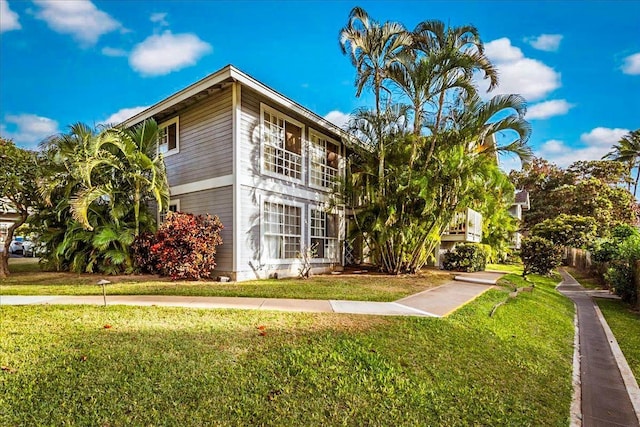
436, 302
606, 400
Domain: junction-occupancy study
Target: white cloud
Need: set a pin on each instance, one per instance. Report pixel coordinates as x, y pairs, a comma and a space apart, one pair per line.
159, 18
553, 146
338, 118
595, 144
123, 114
632, 64
8, 18
163, 53
518, 74
114, 51
29, 129
544, 110
80, 18
546, 42
603, 136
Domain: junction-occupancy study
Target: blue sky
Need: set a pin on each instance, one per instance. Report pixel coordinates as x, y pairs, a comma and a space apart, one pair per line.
61, 62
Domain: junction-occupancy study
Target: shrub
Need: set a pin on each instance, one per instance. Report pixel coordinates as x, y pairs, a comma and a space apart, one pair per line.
539, 255
185, 246
143, 260
466, 257
620, 278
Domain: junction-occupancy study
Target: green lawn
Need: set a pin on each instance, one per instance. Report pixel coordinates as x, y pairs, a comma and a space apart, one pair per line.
508, 268
625, 325
26, 279
171, 366
586, 280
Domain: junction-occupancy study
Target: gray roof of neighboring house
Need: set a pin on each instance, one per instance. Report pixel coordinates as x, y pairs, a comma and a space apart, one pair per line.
522, 198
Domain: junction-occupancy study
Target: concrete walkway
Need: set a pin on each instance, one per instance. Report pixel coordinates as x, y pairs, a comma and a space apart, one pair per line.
606, 399
436, 302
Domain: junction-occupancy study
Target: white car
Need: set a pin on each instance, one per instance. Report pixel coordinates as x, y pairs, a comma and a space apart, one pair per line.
16, 247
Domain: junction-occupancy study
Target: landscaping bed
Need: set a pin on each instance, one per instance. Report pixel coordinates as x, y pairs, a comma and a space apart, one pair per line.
119, 365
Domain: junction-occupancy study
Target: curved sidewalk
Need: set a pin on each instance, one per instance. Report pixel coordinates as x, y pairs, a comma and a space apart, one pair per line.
436, 302
606, 398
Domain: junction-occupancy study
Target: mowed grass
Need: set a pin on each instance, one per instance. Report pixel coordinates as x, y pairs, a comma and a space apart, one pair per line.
625, 325
180, 367
26, 279
584, 278
507, 268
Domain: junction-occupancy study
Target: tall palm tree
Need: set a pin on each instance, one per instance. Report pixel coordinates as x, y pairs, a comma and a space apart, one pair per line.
372, 48
461, 53
627, 150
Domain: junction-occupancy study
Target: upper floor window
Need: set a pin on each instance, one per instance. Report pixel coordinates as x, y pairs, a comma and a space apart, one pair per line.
282, 144
169, 137
324, 161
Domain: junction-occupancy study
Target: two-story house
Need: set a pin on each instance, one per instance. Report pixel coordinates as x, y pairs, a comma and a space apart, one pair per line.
235, 148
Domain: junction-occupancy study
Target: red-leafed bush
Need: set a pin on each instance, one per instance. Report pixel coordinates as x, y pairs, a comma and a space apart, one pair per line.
143, 260
185, 246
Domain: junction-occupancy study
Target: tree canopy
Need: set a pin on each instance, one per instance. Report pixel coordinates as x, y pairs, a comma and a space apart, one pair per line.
19, 176
432, 151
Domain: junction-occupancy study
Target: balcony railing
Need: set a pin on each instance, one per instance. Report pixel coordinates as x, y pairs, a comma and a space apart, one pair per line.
465, 227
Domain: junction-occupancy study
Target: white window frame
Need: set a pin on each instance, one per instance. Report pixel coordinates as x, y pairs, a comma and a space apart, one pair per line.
263, 234
164, 125
338, 171
339, 213
162, 216
303, 143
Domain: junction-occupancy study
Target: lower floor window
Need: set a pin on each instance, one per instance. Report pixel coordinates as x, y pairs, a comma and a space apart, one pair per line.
174, 206
324, 234
282, 230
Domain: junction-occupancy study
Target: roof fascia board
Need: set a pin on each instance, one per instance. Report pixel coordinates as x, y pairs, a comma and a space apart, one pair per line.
186, 93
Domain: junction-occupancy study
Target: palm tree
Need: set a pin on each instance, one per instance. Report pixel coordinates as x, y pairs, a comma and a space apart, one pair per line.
143, 169
628, 151
96, 191
372, 48
460, 53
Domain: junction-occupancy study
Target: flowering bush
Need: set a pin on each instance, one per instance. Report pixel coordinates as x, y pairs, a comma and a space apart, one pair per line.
184, 247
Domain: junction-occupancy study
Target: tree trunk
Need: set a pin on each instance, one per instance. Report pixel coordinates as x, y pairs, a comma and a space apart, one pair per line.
4, 260
4, 256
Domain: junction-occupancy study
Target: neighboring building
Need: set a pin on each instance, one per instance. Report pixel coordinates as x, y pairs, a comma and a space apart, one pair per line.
235, 148
465, 227
520, 205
